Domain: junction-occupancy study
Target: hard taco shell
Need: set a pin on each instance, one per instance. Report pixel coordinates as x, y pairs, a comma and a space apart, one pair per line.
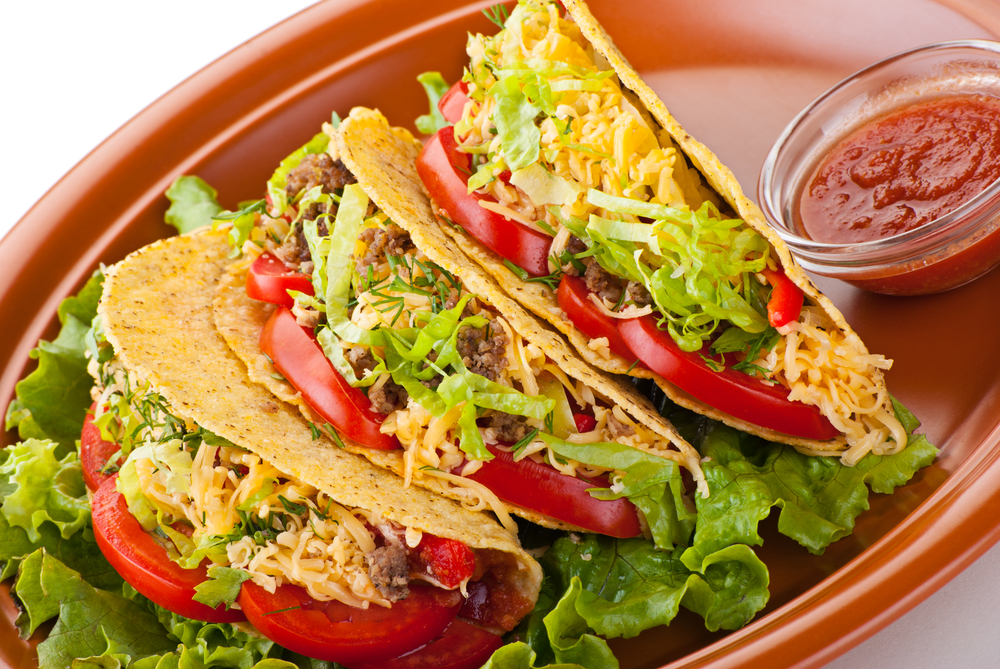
157, 313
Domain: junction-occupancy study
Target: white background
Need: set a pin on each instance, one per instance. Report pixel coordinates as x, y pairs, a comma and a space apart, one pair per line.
73, 72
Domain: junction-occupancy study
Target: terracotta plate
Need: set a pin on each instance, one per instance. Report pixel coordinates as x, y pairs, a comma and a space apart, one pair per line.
733, 78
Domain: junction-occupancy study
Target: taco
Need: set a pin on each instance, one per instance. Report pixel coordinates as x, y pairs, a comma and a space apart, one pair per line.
325, 554
377, 328
567, 180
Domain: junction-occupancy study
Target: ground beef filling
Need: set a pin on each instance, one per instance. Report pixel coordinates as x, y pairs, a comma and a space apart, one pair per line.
483, 350
392, 240
386, 397
389, 571
607, 286
618, 428
639, 295
318, 169
508, 429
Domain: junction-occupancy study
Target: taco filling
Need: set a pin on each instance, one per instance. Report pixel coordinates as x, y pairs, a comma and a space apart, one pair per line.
559, 169
391, 350
200, 524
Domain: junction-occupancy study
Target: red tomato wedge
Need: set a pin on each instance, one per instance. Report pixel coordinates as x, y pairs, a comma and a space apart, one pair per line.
144, 563
447, 560
269, 280
584, 423
541, 488
336, 632
445, 172
94, 452
588, 319
786, 300
461, 646
452, 104
738, 394
299, 357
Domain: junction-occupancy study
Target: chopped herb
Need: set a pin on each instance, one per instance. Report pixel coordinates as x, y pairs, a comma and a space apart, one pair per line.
712, 364
335, 435
290, 608
292, 507
523, 275
315, 431
520, 446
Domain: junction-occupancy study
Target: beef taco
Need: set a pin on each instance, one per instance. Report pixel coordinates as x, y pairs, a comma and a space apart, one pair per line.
565, 177
379, 329
325, 554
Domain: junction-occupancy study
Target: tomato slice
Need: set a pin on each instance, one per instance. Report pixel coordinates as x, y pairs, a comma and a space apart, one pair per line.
452, 104
542, 488
299, 357
145, 564
588, 319
445, 172
95, 452
269, 280
336, 632
733, 392
461, 646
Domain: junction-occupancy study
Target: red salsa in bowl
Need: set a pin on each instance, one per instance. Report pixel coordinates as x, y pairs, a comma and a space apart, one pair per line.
891, 179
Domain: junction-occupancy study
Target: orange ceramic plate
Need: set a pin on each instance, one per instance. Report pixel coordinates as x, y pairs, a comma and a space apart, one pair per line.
733, 79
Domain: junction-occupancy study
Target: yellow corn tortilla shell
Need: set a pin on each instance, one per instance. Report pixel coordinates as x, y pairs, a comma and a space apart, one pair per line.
382, 159
540, 300
157, 313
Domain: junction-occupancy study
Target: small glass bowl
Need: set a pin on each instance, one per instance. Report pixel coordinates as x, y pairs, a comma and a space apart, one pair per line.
947, 252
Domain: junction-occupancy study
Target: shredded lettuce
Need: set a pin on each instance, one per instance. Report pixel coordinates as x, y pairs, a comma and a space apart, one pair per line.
686, 259
276, 184
514, 118
652, 483
435, 87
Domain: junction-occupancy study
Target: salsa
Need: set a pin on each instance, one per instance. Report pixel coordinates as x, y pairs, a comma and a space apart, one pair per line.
904, 169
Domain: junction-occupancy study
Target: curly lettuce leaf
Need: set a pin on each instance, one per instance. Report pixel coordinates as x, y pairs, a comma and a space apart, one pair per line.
435, 87
193, 204
41, 488
819, 498
89, 619
52, 401
629, 585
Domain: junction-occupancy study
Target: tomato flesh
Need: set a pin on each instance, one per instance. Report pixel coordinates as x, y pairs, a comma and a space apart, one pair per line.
587, 318
584, 423
299, 357
461, 646
786, 300
452, 104
542, 488
269, 280
145, 564
336, 632
449, 561
95, 452
741, 396
444, 171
